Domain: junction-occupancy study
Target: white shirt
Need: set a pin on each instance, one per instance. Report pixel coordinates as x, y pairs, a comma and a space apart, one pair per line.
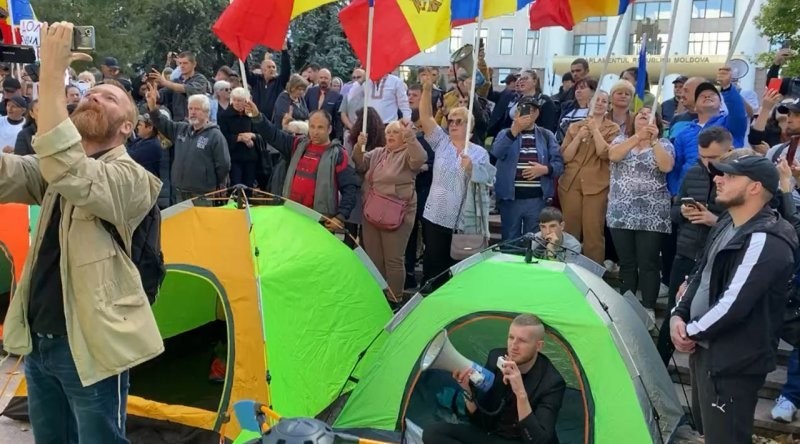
8, 132
388, 96
449, 180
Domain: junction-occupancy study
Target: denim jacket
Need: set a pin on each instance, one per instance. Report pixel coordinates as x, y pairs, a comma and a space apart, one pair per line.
506, 149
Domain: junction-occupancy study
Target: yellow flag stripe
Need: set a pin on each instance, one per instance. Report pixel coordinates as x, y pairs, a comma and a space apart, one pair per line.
301, 6
430, 23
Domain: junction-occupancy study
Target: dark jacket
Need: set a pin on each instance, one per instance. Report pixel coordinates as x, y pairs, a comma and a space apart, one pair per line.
178, 103
347, 180
699, 185
23, 146
232, 123
771, 135
282, 105
266, 93
332, 103
545, 388
506, 149
202, 162
747, 295
147, 153
790, 86
499, 119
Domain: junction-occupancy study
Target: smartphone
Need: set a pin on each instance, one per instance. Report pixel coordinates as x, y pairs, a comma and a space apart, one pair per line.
689, 202
775, 84
83, 38
792, 151
525, 109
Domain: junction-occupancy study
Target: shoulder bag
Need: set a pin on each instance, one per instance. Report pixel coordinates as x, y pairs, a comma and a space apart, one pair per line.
384, 212
464, 245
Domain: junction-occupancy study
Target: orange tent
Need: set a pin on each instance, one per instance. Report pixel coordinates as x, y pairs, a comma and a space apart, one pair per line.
14, 244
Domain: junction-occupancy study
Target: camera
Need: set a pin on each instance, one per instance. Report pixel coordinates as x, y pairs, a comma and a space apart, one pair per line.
83, 38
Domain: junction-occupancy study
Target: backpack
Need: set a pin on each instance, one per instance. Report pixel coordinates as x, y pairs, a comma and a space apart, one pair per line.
146, 251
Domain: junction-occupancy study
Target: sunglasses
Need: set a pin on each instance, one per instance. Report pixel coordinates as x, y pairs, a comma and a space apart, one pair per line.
456, 122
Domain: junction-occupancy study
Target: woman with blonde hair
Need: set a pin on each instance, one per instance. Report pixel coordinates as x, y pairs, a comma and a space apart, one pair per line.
390, 199
621, 97
583, 189
292, 100
459, 196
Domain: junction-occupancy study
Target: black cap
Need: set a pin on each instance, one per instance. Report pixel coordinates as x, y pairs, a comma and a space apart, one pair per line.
11, 84
705, 86
787, 106
757, 168
510, 78
19, 101
111, 62
680, 79
538, 102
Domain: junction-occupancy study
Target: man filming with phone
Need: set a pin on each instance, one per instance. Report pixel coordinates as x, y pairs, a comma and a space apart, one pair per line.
80, 315
522, 404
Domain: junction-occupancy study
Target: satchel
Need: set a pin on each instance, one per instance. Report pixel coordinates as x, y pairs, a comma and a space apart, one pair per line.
464, 245
384, 212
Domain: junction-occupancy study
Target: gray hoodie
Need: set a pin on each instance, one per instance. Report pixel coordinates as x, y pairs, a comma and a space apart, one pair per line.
568, 251
202, 161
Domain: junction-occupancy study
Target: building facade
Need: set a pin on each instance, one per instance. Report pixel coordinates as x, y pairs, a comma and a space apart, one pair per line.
701, 40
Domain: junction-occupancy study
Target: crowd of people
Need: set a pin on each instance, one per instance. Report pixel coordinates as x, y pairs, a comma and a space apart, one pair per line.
639, 189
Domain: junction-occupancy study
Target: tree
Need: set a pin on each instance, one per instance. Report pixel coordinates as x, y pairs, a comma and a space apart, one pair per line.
317, 37
778, 21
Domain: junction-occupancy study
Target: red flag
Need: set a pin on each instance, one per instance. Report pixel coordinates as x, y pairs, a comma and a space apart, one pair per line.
247, 23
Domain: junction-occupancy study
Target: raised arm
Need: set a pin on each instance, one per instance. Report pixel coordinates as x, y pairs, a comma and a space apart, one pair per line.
426, 120
279, 139
165, 125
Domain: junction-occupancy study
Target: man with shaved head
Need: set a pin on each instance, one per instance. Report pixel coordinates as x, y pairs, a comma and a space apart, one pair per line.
523, 402
322, 97
680, 121
266, 87
80, 315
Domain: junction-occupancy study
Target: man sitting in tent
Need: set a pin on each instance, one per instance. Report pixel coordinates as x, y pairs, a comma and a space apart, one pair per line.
552, 242
318, 169
523, 403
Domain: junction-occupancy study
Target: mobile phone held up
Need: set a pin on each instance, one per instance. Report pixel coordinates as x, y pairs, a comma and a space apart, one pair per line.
775, 84
83, 38
689, 202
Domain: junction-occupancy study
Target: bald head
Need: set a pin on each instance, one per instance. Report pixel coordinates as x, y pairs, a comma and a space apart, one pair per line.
324, 78
689, 89
268, 68
358, 75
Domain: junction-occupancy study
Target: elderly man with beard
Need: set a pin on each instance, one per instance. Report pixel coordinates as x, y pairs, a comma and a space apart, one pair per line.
202, 161
80, 315
524, 399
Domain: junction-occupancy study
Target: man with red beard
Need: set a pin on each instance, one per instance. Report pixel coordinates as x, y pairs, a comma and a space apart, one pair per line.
80, 315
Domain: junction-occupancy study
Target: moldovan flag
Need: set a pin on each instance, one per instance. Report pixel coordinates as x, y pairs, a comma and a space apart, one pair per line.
567, 13
247, 23
641, 77
466, 11
401, 29
22, 10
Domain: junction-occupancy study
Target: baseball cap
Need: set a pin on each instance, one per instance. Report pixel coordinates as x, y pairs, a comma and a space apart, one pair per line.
680, 79
706, 86
757, 168
11, 84
19, 101
510, 78
538, 102
787, 106
111, 62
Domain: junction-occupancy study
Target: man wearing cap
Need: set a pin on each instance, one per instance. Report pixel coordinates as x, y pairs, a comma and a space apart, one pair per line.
729, 317
528, 162
111, 70
11, 88
707, 105
673, 106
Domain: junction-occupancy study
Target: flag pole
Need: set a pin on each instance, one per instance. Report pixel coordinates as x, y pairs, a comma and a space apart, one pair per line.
241, 69
735, 41
609, 53
472, 93
368, 68
664, 60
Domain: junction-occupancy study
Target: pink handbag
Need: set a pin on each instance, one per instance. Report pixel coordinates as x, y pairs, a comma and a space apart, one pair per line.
382, 211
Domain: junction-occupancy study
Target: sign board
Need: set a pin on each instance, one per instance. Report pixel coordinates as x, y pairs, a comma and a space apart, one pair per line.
687, 65
30, 31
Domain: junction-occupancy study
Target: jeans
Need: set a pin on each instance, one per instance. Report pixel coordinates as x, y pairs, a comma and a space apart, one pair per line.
61, 409
639, 262
791, 390
681, 267
243, 173
518, 217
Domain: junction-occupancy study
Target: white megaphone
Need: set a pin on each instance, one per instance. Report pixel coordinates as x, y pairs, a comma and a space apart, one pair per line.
442, 355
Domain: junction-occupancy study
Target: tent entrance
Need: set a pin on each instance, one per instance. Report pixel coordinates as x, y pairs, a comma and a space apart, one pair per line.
6, 281
433, 396
194, 318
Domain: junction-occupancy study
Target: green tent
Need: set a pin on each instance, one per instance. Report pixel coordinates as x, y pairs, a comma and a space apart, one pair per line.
618, 389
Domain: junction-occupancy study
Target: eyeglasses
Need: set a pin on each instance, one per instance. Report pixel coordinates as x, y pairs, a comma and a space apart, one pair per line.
456, 122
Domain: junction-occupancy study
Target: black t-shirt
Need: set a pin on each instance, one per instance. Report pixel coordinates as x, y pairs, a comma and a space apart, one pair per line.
46, 301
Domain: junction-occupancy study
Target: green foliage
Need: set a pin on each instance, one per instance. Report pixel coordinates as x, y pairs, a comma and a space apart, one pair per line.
317, 37
777, 20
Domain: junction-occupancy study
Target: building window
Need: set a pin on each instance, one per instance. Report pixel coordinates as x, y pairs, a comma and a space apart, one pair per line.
456, 37
589, 45
709, 43
596, 19
506, 41
405, 72
711, 9
653, 10
654, 46
532, 43
502, 73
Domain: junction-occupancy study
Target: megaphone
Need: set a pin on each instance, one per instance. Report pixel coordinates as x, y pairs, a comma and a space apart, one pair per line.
463, 58
441, 355
739, 68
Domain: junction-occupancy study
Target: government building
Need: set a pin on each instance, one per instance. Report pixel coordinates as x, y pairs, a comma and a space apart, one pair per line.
703, 34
